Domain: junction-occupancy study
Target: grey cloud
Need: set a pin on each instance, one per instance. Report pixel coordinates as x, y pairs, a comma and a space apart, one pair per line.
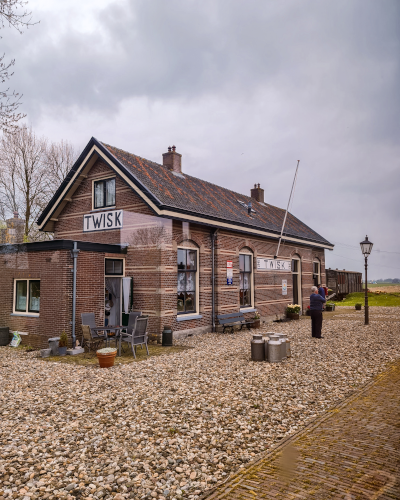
277, 81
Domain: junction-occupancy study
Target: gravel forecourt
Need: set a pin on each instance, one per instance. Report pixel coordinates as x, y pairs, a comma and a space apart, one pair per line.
175, 425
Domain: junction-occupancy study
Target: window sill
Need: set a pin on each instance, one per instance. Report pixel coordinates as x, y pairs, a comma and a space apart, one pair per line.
187, 317
113, 207
247, 310
25, 315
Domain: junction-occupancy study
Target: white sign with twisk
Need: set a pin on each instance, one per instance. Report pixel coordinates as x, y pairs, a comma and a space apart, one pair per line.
102, 221
273, 265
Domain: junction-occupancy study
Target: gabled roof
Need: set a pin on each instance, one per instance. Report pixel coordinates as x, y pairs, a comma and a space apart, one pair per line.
185, 197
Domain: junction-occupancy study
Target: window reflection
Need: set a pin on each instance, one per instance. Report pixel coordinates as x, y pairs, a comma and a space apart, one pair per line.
187, 269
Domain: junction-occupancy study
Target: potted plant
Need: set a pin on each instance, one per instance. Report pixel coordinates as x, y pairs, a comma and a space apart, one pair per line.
358, 307
330, 306
308, 311
106, 356
63, 344
292, 311
256, 320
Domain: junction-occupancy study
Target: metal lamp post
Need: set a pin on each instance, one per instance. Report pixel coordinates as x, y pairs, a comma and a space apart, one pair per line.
366, 247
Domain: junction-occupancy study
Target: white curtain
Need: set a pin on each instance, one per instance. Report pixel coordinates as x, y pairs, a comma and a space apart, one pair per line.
126, 287
113, 285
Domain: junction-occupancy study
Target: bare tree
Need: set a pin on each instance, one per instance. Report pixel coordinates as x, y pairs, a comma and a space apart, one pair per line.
22, 168
59, 159
13, 13
31, 170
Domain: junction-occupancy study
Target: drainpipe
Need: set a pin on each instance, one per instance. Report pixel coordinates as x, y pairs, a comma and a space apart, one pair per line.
74, 253
213, 238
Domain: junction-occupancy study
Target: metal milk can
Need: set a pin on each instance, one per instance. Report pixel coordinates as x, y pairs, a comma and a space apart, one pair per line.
257, 348
274, 351
283, 338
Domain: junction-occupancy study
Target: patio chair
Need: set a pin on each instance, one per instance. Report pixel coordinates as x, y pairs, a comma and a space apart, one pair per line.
88, 319
136, 335
132, 316
88, 340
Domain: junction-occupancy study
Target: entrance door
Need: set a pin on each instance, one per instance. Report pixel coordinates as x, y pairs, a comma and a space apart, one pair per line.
112, 301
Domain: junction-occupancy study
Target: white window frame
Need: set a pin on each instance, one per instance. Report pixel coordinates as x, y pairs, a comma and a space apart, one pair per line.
26, 312
197, 310
251, 306
114, 275
299, 280
101, 179
317, 261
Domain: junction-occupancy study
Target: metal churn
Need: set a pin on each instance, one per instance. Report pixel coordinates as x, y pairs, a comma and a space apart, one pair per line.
283, 338
274, 350
257, 348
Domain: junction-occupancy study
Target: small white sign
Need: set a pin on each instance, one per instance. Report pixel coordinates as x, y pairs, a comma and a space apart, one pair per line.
273, 265
229, 272
101, 221
284, 287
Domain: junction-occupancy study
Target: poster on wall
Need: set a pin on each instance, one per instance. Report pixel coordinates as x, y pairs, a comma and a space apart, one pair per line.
229, 272
284, 287
273, 265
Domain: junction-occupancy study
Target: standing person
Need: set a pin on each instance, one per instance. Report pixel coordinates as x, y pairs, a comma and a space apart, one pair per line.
321, 291
316, 305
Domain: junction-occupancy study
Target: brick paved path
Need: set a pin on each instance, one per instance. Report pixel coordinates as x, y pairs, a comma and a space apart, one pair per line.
353, 453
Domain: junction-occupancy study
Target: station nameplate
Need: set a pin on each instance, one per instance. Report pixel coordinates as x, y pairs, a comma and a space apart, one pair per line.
273, 265
102, 221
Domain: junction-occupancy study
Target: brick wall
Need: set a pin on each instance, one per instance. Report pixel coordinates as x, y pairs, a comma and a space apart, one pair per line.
54, 271
151, 261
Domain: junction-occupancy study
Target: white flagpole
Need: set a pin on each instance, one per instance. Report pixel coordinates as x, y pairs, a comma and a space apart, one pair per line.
284, 220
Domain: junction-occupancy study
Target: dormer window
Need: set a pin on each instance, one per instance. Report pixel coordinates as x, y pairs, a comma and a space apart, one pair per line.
104, 193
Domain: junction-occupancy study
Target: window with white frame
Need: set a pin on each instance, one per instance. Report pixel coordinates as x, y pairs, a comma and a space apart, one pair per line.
245, 279
317, 272
296, 280
104, 193
27, 296
114, 267
187, 280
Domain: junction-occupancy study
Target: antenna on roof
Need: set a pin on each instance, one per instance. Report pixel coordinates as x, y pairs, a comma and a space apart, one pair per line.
284, 220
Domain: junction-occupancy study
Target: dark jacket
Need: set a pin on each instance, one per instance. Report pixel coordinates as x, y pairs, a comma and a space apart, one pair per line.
321, 291
316, 302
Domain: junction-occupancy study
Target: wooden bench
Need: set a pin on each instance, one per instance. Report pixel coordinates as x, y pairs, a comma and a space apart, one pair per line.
232, 319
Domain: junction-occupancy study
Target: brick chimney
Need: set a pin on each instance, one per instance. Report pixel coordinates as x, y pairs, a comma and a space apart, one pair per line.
173, 160
257, 193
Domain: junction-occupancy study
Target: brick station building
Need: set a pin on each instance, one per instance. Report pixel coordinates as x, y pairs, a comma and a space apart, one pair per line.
191, 249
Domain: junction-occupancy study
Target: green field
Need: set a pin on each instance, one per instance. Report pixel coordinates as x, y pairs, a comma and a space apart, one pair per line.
384, 299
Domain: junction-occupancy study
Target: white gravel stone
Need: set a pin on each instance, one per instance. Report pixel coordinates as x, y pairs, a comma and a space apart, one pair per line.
172, 426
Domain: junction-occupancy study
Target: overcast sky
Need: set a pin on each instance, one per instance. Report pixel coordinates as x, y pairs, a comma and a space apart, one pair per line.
243, 89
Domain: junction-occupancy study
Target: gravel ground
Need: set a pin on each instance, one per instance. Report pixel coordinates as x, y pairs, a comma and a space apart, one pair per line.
173, 426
